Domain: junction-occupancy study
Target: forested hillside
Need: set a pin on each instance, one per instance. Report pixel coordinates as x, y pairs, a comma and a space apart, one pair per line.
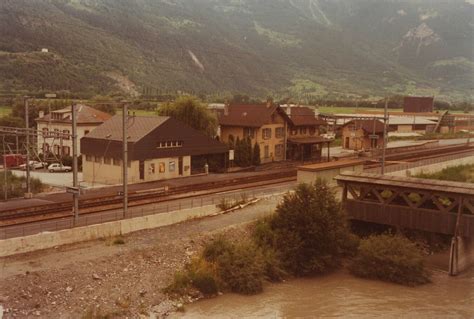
298, 48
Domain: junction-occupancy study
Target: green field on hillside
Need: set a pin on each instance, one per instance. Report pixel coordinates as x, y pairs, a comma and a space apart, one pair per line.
5, 110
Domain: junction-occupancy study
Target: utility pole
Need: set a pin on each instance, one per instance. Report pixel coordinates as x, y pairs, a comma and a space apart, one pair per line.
385, 140
5, 178
75, 183
125, 158
27, 124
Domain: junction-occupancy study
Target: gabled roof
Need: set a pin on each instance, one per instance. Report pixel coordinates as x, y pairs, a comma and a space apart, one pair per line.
303, 116
137, 128
369, 126
85, 115
249, 115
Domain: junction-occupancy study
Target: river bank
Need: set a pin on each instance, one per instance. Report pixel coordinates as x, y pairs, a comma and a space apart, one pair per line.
342, 295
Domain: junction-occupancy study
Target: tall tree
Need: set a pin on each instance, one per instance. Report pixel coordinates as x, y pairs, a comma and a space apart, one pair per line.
256, 154
191, 111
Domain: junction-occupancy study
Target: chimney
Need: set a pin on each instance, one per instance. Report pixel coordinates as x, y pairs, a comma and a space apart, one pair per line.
226, 109
288, 110
41, 114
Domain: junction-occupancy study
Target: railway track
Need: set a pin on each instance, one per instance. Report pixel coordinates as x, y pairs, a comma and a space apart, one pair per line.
143, 197
110, 202
421, 155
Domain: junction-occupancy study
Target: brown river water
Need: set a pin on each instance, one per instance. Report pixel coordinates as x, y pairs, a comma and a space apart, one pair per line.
344, 296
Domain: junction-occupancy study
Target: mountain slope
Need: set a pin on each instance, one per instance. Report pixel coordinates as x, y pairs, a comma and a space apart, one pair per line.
298, 48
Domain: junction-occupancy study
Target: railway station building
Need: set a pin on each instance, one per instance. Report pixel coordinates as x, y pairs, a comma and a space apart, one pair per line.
281, 133
159, 147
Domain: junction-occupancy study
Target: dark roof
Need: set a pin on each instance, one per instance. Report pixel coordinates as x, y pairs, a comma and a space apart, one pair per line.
144, 135
303, 116
418, 104
249, 115
85, 115
368, 125
137, 128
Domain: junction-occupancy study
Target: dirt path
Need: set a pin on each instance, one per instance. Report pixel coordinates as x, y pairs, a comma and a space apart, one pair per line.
121, 280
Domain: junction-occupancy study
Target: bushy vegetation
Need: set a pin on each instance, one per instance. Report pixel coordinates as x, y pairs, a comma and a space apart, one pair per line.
223, 265
309, 231
390, 258
192, 112
460, 173
16, 185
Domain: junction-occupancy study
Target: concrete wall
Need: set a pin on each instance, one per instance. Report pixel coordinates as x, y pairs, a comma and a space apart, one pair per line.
433, 168
46, 240
326, 175
465, 253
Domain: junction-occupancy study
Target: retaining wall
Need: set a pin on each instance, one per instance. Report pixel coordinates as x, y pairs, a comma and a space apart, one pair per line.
433, 168
46, 240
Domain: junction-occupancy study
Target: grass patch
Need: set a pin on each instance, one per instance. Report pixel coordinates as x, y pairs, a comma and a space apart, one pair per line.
390, 258
460, 173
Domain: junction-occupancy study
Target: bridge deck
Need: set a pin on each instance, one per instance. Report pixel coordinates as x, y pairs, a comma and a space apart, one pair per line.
428, 205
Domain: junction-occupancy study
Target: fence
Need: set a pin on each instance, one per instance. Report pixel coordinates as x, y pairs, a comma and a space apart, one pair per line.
430, 161
137, 211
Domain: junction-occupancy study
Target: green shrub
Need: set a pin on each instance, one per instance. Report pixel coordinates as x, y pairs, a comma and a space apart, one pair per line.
216, 248
390, 258
241, 269
204, 281
309, 230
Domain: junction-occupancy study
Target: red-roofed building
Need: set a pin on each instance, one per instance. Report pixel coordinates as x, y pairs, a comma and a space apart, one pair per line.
362, 134
290, 134
418, 104
55, 128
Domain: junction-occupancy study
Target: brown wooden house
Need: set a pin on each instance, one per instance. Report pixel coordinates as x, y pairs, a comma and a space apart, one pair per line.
361, 135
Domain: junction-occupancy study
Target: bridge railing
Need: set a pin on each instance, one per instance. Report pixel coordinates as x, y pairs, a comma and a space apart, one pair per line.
424, 162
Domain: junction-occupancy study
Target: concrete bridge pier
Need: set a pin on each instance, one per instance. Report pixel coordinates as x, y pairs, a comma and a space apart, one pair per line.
461, 255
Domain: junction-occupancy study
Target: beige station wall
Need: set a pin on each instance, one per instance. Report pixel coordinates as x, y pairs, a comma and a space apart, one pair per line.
109, 174
271, 142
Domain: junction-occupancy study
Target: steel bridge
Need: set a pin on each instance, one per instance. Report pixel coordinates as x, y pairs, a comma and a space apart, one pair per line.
422, 204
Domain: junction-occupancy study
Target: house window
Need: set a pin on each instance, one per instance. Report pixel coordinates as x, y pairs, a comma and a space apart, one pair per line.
171, 166
279, 132
66, 150
97, 159
168, 144
45, 132
151, 169
117, 162
279, 150
107, 160
267, 151
161, 167
312, 130
249, 132
66, 134
86, 132
88, 158
56, 149
45, 148
303, 130
56, 132
267, 133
